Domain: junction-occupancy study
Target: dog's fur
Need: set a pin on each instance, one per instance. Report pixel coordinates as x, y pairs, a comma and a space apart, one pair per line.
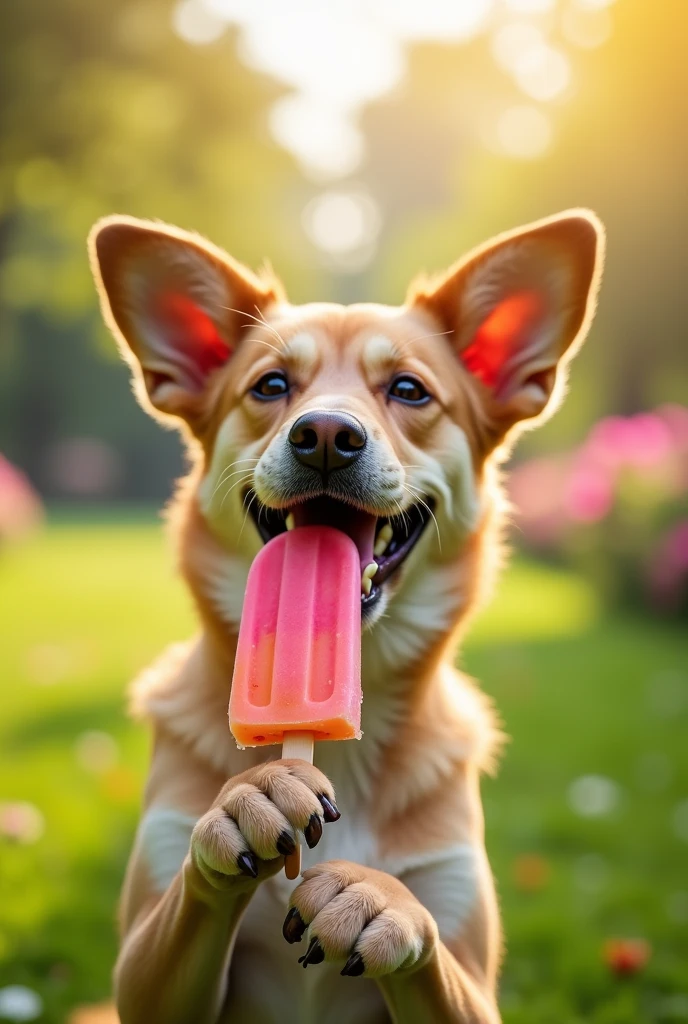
403, 878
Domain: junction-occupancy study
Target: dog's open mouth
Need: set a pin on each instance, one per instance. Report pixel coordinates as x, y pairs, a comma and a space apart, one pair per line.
383, 542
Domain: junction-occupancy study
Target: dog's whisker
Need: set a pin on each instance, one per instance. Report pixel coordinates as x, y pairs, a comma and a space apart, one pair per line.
272, 329
403, 515
253, 458
236, 483
223, 478
236, 463
422, 337
225, 475
236, 472
262, 322
421, 501
227, 493
248, 509
259, 341
435, 334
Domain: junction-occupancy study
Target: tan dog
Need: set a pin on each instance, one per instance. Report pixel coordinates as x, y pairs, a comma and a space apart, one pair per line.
389, 423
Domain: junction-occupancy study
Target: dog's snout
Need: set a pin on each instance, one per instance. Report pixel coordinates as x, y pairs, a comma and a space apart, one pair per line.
325, 441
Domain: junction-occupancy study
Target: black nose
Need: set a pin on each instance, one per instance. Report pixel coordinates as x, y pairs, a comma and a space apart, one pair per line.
326, 441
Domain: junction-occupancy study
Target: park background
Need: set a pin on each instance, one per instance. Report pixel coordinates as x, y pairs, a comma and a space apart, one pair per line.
353, 144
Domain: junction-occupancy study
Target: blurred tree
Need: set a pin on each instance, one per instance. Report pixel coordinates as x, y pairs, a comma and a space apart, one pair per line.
102, 109
620, 146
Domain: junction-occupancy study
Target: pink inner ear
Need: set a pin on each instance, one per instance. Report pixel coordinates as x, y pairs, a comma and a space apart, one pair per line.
506, 329
192, 332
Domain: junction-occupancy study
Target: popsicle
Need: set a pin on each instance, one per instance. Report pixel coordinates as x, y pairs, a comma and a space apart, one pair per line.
297, 673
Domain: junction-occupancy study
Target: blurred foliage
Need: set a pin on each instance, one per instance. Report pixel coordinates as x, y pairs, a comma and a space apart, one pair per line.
581, 693
103, 109
620, 147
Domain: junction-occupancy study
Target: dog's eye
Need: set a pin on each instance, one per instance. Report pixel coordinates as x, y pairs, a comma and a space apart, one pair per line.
271, 385
408, 389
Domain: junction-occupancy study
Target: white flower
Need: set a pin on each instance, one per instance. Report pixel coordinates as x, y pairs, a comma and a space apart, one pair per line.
594, 796
17, 1002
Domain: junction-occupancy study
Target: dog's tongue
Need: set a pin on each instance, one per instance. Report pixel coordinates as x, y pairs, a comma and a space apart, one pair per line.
355, 523
298, 656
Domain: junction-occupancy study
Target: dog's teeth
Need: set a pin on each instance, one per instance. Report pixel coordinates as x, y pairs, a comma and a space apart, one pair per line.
289, 521
367, 578
382, 540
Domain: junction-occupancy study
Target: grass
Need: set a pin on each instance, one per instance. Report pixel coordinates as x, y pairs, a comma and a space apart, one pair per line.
582, 693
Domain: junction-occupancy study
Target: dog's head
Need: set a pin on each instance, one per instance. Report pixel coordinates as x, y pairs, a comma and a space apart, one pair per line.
378, 420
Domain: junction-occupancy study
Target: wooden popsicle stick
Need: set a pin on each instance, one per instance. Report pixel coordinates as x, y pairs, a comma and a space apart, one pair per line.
296, 744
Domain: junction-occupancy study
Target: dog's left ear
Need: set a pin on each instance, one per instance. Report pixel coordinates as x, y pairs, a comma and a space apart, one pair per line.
518, 308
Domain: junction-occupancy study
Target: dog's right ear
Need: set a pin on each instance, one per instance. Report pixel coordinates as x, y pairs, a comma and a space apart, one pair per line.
176, 304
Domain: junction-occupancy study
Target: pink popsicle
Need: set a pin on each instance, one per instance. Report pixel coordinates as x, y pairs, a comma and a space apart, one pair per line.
297, 674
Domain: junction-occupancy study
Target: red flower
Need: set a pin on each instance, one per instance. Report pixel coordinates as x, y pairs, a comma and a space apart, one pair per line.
626, 956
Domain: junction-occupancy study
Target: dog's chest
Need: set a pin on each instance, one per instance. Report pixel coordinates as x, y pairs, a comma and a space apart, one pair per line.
267, 984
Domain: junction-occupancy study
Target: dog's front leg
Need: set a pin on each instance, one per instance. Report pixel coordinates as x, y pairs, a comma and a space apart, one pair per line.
175, 957
173, 965
374, 924
440, 990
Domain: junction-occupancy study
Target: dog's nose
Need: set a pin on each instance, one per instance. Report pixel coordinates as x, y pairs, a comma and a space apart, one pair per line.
326, 441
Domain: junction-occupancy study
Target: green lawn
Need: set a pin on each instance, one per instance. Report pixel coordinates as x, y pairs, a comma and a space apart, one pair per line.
84, 607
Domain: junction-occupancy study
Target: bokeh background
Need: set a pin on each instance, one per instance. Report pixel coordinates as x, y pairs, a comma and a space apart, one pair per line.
353, 143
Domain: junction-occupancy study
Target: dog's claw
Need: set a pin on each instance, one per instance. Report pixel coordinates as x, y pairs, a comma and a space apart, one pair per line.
285, 844
354, 966
246, 862
315, 954
313, 830
294, 926
330, 811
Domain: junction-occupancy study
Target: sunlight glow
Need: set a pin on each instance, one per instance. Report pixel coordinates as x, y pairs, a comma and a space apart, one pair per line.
342, 223
594, 4
530, 6
543, 73
195, 24
524, 132
587, 27
338, 56
324, 51
444, 20
511, 42
324, 139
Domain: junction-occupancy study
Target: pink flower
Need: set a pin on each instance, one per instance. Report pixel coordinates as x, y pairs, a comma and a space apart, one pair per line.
651, 440
535, 490
20, 507
636, 441
589, 494
676, 419
608, 442
21, 822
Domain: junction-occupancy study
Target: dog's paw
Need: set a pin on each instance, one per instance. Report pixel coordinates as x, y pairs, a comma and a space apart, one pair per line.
365, 917
253, 824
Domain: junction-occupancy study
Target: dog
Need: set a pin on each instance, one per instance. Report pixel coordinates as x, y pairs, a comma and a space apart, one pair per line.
391, 423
